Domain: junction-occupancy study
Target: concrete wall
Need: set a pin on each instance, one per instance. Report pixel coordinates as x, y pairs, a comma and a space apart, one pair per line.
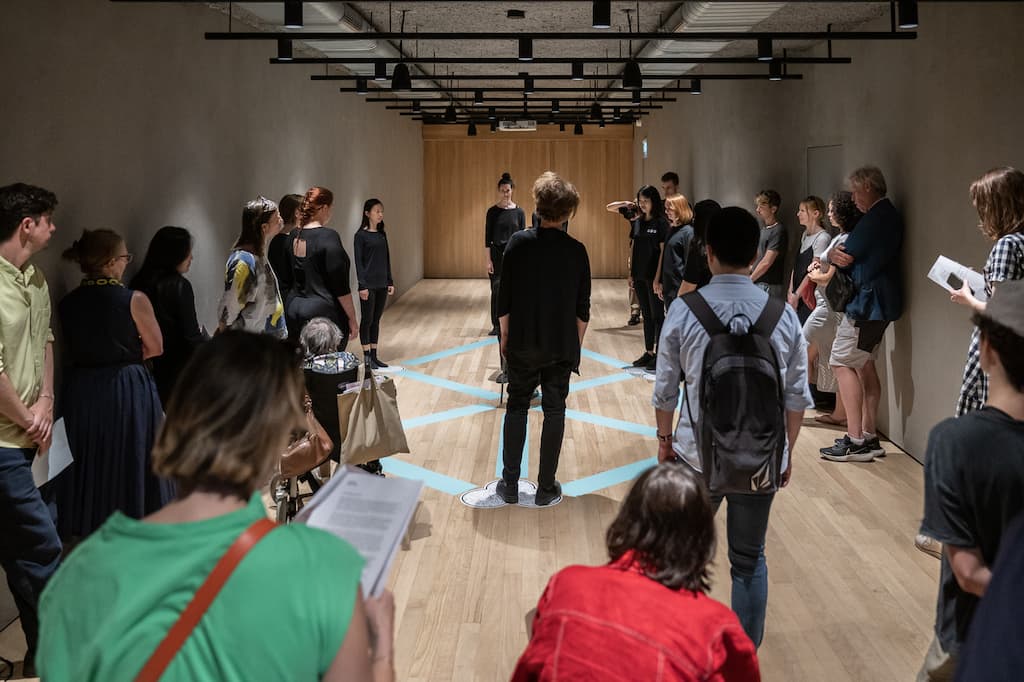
934, 114
136, 121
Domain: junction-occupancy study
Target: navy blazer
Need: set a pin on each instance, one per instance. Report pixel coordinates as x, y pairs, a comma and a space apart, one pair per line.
875, 245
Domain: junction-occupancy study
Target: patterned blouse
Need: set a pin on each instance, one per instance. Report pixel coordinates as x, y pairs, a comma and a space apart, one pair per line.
251, 300
1005, 262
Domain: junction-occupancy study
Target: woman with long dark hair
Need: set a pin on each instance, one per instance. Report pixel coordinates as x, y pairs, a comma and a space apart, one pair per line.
697, 273
503, 220
317, 283
162, 279
648, 227
373, 272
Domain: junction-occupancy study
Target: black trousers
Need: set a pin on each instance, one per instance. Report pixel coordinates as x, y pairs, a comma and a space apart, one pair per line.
652, 310
497, 258
372, 310
524, 375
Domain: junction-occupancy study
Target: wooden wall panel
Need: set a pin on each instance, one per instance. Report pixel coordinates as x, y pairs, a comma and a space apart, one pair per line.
460, 177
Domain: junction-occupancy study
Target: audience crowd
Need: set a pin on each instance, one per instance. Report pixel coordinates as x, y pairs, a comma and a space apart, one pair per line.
175, 433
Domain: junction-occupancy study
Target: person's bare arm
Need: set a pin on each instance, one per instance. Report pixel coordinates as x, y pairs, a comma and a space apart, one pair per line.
658, 286
616, 205
350, 311
794, 419
762, 265
145, 322
11, 405
664, 420
969, 568
686, 287
367, 654
41, 430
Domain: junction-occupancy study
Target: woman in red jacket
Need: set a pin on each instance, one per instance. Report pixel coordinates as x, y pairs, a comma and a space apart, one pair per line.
646, 614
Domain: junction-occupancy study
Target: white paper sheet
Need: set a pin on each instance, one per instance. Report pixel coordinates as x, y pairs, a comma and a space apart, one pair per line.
47, 465
371, 512
945, 272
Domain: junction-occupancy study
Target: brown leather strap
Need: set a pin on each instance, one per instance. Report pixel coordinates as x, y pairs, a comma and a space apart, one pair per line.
201, 600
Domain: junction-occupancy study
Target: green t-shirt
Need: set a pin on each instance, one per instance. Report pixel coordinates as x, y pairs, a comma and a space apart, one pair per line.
282, 615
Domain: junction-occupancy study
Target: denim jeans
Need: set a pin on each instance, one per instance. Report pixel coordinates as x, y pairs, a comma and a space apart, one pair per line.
524, 375
29, 546
746, 524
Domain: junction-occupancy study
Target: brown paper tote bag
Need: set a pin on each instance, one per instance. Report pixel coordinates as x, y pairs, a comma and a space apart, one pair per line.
370, 425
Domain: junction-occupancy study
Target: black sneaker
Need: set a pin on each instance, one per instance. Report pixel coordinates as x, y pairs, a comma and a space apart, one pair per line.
847, 451
634, 320
652, 365
502, 378
875, 446
643, 360
494, 332
509, 492
546, 496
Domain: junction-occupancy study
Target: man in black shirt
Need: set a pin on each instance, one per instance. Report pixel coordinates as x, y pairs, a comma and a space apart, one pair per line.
543, 311
974, 480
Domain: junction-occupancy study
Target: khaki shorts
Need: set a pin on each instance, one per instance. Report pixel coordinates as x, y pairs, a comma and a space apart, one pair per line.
856, 342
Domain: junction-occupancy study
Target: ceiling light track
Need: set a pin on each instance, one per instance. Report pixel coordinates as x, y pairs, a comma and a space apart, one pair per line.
703, 36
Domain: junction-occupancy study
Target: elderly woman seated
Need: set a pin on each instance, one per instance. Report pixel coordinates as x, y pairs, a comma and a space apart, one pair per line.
645, 615
326, 367
112, 603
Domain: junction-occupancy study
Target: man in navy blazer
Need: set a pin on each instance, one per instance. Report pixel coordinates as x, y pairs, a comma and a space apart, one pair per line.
872, 257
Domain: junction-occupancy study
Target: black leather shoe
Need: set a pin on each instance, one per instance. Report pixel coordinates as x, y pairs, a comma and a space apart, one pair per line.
546, 496
509, 492
494, 332
643, 360
634, 320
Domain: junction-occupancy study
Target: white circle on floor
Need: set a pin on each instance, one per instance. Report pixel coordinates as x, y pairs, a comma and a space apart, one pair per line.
487, 498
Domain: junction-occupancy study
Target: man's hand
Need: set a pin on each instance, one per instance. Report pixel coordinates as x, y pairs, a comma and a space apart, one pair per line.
839, 256
490, 267
788, 472
659, 290
665, 451
41, 427
391, 290
353, 329
364, 294
630, 282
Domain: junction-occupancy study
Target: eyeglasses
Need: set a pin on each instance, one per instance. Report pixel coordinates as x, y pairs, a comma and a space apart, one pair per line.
128, 257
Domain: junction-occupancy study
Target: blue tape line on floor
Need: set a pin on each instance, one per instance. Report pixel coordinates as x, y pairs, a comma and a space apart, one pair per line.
456, 413
450, 352
599, 381
432, 479
524, 467
603, 359
450, 385
607, 479
618, 424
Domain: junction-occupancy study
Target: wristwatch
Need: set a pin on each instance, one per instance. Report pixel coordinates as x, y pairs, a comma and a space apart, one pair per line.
665, 437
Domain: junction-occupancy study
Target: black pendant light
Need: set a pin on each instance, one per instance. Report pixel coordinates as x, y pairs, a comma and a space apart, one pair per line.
695, 86
284, 49
528, 85
449, 113
764, 49
908, 14
494, 126
775, 71
555, 108
561, 127
632, 77
636, 97
293, 13
595, 111
416, 106
577, 70
478, 97
471, 131
380, 70
602, 15
401, 81
525, 49
361, 88
577, 129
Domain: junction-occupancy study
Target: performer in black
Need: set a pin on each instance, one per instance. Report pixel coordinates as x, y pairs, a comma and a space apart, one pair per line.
503, 219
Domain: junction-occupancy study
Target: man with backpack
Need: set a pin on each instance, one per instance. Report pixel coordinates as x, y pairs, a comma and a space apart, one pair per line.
742, 361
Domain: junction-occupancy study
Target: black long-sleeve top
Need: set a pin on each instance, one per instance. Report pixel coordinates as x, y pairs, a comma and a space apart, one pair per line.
373, 260
545, 288
502, 223
175, 308
314, 282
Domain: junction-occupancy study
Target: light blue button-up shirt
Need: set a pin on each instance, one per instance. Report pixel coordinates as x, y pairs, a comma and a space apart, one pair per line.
738, 302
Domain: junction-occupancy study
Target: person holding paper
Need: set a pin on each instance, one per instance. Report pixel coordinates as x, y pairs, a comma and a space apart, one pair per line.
29, 546
118, 594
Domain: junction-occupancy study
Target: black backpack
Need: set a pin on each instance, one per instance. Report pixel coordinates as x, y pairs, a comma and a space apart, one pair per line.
741, 430
839, 291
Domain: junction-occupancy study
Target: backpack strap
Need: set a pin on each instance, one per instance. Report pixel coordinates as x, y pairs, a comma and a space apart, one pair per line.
704, 314
769, 317
201, 600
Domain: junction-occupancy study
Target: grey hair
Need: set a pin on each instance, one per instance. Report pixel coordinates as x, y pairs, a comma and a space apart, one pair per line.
320, 336
870, 177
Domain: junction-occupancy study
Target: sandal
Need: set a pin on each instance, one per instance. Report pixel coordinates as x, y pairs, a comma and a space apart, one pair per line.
829, 420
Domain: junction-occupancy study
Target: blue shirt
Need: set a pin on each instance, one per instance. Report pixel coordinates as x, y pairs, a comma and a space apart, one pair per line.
681, 355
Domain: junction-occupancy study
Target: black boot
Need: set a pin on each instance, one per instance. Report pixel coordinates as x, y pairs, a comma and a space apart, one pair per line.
368, 360
377, 362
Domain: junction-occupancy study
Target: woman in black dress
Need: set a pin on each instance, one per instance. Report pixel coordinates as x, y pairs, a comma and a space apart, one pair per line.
373, 272
317, 284
503, 219
648, 227
162, 279
110, 403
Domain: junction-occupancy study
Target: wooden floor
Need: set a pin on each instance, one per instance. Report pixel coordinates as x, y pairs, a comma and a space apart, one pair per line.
849, 596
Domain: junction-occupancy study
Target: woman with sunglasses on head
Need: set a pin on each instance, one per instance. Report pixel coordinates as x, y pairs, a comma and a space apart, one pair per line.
317, 283
162, 279
109, 399
252, 298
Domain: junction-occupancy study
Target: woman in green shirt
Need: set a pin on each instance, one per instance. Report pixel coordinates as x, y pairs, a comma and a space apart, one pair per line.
291, 609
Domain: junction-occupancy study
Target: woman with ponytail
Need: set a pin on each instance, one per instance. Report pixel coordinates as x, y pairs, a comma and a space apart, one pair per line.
109, 399
317, 284
373, 272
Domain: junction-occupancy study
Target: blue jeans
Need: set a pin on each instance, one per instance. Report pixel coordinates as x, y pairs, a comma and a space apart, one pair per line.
29, 546
746, 524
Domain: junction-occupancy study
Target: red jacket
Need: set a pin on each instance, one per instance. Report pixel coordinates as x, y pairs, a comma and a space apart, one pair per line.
612, 622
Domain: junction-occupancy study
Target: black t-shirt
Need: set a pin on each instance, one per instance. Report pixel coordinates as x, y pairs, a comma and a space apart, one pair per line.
501, 224
315, 281
697, 270
995, 647
673, 263
647, 237
545, 288
973, 488
373, 260
773, 238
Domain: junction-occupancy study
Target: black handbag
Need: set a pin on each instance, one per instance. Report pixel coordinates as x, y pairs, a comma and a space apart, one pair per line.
839, 291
